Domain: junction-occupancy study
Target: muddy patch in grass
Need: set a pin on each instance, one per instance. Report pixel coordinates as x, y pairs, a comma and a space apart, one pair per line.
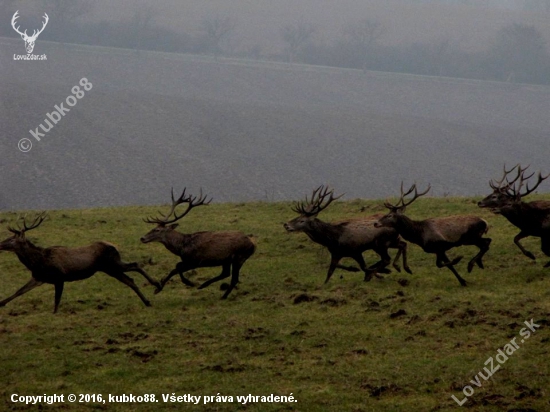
304, 297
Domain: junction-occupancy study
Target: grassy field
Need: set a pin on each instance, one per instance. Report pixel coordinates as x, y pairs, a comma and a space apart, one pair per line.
403, 343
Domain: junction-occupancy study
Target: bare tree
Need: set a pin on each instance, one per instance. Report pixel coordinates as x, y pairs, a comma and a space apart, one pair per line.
519, 54
216, 33
296, 36
361, 36
141, 22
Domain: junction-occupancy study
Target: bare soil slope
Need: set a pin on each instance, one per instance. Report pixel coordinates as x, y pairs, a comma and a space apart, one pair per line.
246, 130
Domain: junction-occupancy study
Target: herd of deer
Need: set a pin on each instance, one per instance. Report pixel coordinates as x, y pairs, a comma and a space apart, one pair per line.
349, 238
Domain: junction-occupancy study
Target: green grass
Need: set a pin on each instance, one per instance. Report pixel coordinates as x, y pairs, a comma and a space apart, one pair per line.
338, 349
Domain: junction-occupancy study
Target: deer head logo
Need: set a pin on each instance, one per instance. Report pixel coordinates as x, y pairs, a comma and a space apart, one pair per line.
29, 40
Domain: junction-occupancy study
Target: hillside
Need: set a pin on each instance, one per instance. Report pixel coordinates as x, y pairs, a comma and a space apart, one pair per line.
401, 343
249, 130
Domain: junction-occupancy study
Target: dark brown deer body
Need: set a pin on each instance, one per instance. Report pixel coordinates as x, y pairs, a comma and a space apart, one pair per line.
202, 249
58, 264
438, 235
532, 218
347, 238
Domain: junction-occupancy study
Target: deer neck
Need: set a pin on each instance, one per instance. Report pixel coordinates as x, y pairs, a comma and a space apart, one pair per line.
520, 214
411, 230
174, 241
30, 255
325, 234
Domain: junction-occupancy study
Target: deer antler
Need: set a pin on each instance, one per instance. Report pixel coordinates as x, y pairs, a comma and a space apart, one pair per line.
315, 205
24, 34
514, 192
401, 204
14, 21
35, 223
191, 201
497, 184
46, 20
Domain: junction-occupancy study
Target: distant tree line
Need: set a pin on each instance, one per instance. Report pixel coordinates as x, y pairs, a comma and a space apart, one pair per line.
518, 53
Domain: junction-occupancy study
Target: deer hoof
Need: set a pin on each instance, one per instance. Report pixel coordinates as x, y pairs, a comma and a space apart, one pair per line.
397, 267
408, 270
368, 277
530, 256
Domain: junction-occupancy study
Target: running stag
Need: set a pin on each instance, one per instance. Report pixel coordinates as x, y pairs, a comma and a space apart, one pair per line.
438, 235
532, 218
348, 238
202, 249
58, 264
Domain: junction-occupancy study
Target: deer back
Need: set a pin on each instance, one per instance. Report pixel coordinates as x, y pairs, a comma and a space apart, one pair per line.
452, 229
358, 232
83, 258
215, 247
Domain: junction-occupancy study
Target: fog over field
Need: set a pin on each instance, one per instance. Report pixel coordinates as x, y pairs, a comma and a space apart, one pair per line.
245, 129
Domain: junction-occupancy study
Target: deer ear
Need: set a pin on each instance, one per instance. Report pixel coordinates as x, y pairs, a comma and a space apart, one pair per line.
175, 225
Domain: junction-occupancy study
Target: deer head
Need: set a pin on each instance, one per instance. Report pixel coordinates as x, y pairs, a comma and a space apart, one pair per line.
308, 210
29, 40
507, 192
166, 223
13, 242
398, 208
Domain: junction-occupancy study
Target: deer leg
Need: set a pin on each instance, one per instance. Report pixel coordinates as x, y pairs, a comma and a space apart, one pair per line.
483, 245
361, 262
58, 293
128, 281
333, 263
134, 267
402, 249
545, 247
179, 269
519, 236
348, 268
398, 255
382, 264
30, 285
443, 261
226, 272
234, 280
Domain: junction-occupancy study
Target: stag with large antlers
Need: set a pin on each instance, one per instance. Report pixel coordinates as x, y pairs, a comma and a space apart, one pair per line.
29, 40
347, 238
58, 264
202, 249
532, 218
438, 235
